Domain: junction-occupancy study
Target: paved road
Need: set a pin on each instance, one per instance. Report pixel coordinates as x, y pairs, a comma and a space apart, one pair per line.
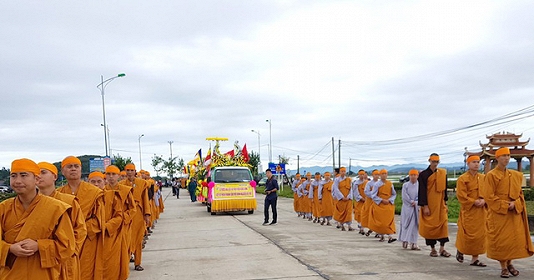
189, 243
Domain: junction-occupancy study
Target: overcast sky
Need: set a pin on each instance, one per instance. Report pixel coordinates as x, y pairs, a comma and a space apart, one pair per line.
359, 71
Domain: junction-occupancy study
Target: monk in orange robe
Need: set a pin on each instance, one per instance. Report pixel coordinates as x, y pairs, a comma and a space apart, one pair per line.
326, 200
342, 193
97, 179
154, 211
91, 201
433, 219
125, 194
382, 211
304, 201
508, 235
314, 196
294, 187
47, 186
36, 232
358, 187
141, 218
112, 228
369, 187
471, 236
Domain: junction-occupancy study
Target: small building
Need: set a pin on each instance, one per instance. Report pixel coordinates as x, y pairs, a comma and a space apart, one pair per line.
518, 151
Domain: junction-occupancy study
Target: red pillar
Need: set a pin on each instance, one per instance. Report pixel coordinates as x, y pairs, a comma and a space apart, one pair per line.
519, 164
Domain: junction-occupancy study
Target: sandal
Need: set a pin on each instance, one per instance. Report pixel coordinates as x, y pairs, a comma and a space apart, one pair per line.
478, 263
351, 229
504, 273
404, 244
415, 247
139, 268
391, 240
381, 239
459, 257
434, 253
512, 270
343, 228
444, 254
362, 232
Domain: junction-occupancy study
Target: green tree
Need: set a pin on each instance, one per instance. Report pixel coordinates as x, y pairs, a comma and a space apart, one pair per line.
157, 163
4, 176
254, 162
120, 161
284, 159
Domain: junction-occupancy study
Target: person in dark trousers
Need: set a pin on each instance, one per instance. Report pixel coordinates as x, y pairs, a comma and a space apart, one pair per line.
192, 188
271, 189
176, 186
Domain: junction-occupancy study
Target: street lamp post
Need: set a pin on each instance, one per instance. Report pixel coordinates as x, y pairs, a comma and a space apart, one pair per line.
102, 86
140, 161
259, 145
270, 142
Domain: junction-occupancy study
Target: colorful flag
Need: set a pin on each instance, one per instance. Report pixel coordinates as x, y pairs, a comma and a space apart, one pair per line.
207, 160
244, 152
198, 157
230, 153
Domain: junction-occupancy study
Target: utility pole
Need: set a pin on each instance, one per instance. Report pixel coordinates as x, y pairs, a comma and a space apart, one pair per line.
333, 156
170, 144
339, 154
298, 164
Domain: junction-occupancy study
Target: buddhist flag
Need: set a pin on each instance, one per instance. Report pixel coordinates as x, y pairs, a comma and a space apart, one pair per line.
207, 160
244, 152
198, 157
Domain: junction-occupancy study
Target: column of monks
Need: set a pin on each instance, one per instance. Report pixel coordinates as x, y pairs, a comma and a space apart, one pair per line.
81, 230
492, 220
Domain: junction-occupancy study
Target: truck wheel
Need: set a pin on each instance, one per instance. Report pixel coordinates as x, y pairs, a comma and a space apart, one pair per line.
208, 207
213, 213
251, 211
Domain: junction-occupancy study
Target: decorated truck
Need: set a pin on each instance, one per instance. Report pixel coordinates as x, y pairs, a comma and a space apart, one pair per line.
231, 189
225, 182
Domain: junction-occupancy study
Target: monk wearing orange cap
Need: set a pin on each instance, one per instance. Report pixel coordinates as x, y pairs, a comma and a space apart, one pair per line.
141, 218
125, 194
409, 222
314, 196
123, 175
294, 187
326, 200
382, 211
367, 201
97, 179
359, 196
113, 218
342, 193
471, 236
47, 186
433, 220
91, 201
36, 232
508, 236
305, 202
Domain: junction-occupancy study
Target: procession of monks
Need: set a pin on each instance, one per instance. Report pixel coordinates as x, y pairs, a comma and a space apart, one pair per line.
81, 230
493, 218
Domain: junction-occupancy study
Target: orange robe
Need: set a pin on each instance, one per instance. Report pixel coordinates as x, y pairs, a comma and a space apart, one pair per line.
140, 195
343, 209
112, 235
507, 234
316, 207
471, 236
128, 211
364, 214
435, 226
382, 216
91, 200
327, 201
71, 268
358, 205
47, 221
305, 202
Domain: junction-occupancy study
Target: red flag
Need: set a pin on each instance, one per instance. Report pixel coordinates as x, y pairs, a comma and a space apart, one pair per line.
230, 153
245, 153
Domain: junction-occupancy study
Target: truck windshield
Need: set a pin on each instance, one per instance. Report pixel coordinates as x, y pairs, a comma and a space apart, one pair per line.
231, 175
